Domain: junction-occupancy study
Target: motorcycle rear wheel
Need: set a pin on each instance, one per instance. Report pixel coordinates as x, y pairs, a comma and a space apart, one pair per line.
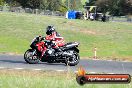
74, 60
30, 58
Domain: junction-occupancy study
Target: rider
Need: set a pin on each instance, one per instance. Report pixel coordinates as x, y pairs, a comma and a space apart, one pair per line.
52, 35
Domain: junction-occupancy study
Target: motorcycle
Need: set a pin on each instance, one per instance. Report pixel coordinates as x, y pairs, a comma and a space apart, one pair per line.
68, 53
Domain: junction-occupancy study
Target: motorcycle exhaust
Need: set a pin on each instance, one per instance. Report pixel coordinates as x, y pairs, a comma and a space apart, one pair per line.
67, 54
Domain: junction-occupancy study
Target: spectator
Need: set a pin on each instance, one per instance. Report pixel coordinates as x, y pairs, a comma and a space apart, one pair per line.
91, 17
104, 18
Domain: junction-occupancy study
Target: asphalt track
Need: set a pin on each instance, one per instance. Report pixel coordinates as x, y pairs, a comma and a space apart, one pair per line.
98, 66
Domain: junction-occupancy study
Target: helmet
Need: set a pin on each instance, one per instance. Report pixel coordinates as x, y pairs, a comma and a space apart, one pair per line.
50, 30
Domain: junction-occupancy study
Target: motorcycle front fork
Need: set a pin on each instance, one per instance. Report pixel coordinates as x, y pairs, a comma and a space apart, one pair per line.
34, 52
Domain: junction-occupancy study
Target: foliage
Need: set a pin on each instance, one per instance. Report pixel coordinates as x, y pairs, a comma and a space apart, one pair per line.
115, 7
73, 4
52, 5
63, 8
1, 2
128, 7
90, 2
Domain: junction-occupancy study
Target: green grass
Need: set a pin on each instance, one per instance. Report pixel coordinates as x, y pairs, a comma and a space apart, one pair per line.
112, 39
34, 79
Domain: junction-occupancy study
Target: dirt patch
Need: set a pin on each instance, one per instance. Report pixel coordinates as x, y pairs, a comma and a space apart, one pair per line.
88, 32
71, 24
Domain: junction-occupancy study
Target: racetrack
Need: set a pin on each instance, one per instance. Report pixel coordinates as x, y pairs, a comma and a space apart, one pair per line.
99, 66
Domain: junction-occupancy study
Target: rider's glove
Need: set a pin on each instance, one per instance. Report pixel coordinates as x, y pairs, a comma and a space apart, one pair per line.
43, 38
53, 43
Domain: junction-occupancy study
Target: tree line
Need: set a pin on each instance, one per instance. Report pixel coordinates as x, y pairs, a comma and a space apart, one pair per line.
112, 7
53, 5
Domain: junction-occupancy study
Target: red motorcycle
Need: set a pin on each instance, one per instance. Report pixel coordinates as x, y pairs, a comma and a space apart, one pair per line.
67, 53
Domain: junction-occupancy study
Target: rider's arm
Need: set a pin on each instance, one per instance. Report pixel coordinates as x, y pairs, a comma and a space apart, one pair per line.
57, 37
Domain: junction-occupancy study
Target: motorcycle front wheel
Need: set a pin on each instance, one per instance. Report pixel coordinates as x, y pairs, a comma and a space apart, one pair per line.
30, 58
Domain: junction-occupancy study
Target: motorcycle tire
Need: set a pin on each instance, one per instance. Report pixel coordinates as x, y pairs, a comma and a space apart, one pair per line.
74, 60
30, 59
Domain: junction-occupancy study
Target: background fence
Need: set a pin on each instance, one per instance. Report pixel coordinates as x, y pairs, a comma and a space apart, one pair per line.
120, 18
29, 10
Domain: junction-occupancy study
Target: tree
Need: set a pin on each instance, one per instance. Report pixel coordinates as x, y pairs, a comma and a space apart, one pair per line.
54, 4
128, 7
103, 5
1, 2
73, 4
115, 7
44, 4
90, 2
23, 3
34, 4
78, 4
41, 4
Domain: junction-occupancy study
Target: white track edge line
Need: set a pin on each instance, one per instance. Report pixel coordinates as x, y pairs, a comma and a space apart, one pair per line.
19, 68
42, 69
2, 67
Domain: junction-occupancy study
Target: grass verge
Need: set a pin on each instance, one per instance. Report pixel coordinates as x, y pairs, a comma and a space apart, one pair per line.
46, 79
